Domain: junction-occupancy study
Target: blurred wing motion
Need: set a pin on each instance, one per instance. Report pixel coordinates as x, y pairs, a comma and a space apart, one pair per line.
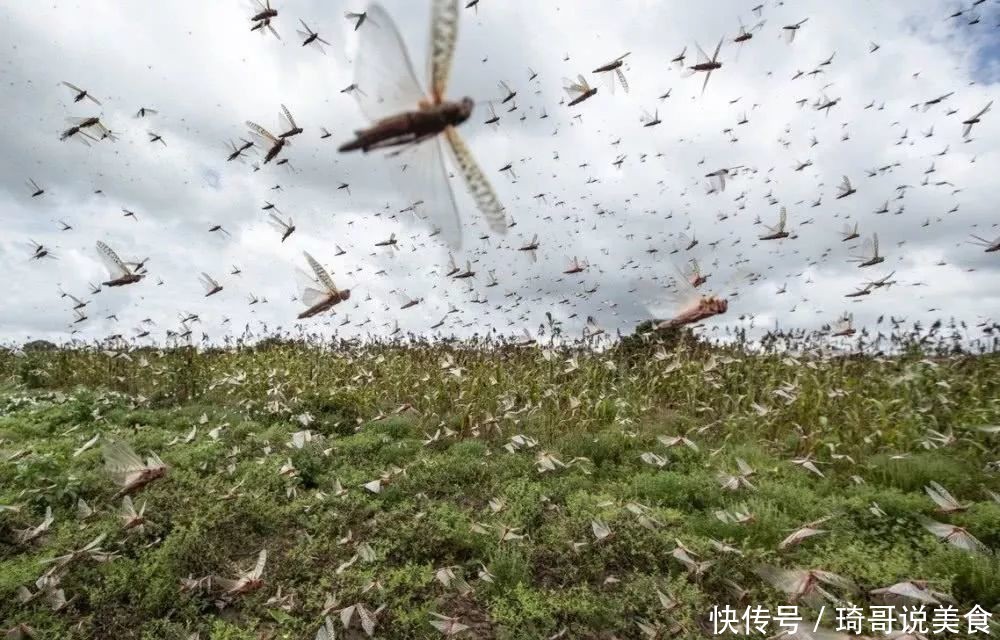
209, 283
692, 273
576, 87
577, 90
281, 225
664, 301
430, 183
869, 248
782, 579
702, 60
383, 70
310, 290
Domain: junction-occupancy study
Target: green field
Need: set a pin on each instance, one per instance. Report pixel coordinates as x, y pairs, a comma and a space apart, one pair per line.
498, 469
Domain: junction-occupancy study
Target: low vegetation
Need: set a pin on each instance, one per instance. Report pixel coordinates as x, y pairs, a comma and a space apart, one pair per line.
513, 492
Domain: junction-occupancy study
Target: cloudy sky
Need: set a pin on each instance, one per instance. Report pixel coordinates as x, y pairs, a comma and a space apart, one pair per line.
203, 70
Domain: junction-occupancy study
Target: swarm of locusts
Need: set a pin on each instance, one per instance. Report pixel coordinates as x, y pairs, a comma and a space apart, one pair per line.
547, 484
485, 489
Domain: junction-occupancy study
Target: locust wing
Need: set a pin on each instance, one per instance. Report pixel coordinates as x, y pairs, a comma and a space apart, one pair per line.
278, 223
789, 581
983, 112
718, 48
112, 261
208, 282
702, 59
845, 185
383, 71
685, 242
120, 461
780, 227
869, 249
576, 88
287, 119
609, 81
310, 291
258, 569
691, 271
224, 584
479, 186
444, 34
845, 323
328, 631
621, 79
321, 274
718, 180
663, 299
679, 60
262, 136
431, 184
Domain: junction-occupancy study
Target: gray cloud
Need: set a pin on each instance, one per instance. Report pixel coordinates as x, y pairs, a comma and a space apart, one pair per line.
206, 73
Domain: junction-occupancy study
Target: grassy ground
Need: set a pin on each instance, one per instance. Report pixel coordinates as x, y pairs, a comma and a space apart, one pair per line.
442, 428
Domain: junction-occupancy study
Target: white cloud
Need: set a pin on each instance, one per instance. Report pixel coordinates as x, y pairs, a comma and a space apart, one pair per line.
202, 68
